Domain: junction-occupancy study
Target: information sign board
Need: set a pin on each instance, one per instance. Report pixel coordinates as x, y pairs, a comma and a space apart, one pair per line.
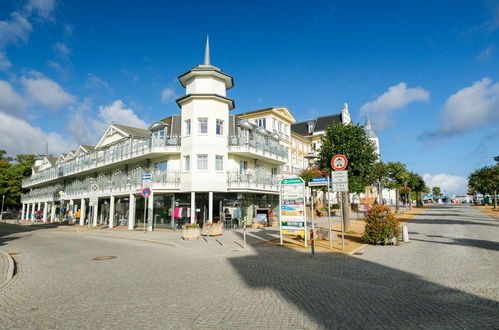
339, 176
340, 187
146, 177
292, 208
316, 182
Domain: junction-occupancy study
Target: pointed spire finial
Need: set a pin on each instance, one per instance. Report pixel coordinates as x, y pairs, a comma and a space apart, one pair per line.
345, 107
368, 122
207, 51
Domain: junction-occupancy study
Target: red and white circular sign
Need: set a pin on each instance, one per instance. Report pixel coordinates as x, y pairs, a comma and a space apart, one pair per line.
339, 162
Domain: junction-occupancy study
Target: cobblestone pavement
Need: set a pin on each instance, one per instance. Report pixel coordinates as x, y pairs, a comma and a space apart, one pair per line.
206, 285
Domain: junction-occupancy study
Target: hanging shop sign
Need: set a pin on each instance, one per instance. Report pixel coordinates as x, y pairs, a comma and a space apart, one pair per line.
292, 207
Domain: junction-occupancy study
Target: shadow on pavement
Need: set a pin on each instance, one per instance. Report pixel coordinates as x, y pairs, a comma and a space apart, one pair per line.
8, 231
479, 243
339, 291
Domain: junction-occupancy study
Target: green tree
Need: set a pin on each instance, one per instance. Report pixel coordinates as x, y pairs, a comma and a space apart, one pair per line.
12, 172
397, 177
485, 181
417, 185
378, 176
436, 192
351, 141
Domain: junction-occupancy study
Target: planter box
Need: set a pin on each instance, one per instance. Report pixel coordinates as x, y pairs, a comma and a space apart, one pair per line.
214, 229
191, 234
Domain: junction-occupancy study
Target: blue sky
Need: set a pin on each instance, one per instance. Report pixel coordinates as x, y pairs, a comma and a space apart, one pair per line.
426, 71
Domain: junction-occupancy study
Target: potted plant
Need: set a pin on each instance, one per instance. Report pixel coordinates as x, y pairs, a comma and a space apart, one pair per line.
381, 226
191, 232
212, 229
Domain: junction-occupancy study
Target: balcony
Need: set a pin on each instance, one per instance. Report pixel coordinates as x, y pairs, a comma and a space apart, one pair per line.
132, 149
116, 184
253, 181
291, 170
260, 148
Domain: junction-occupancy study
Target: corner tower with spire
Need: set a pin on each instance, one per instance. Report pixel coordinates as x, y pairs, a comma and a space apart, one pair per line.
370, 133
205, 122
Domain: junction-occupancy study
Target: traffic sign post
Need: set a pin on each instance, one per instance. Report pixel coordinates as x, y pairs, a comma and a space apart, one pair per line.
318, 182
339, 179
339, 162
145, 192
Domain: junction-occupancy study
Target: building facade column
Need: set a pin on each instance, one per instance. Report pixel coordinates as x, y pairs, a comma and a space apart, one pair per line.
210, 206
82, 212
45, 207
52, 211
38, 206
23, 210
131, 212
96, 213
193, 207
32, 211
111, 211
150, 211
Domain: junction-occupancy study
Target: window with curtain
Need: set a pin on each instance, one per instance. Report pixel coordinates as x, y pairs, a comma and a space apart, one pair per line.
219, 163
220, 127
202, 162
203, 125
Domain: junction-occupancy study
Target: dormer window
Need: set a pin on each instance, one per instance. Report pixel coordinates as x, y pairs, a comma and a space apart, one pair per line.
311, 126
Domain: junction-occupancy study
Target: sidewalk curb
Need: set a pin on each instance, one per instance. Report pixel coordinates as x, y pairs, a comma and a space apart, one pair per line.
358, 249
10, 269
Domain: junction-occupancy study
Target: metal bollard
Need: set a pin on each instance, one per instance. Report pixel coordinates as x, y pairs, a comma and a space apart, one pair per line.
405, 234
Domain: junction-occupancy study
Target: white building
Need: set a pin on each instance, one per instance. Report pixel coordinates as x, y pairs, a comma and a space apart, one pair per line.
206, 165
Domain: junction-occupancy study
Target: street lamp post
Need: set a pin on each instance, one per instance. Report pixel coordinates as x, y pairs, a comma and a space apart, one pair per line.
1, 214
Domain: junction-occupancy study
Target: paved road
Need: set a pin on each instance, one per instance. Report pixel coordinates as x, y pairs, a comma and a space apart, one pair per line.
148, 285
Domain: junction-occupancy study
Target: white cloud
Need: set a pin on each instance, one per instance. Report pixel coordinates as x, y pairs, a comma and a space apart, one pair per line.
10, 102
46, 92
62, 51
17, 136
87, 129
95, 82
486, 53
167, 95
397, 97
471, 107
18, 27
15, 30
449, 184
42, 8
4, 61
117, 113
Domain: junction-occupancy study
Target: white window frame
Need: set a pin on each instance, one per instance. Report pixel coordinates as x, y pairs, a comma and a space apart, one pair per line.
219, 160
221, 126
198, 158
200, 132
188, 127
187, 163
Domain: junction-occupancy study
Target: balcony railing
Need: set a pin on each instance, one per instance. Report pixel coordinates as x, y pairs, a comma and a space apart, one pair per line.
115, 184
292, 169
106, 156
253, 180
260, 146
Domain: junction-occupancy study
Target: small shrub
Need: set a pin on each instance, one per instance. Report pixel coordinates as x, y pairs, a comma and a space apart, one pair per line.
381, 226
193, 226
